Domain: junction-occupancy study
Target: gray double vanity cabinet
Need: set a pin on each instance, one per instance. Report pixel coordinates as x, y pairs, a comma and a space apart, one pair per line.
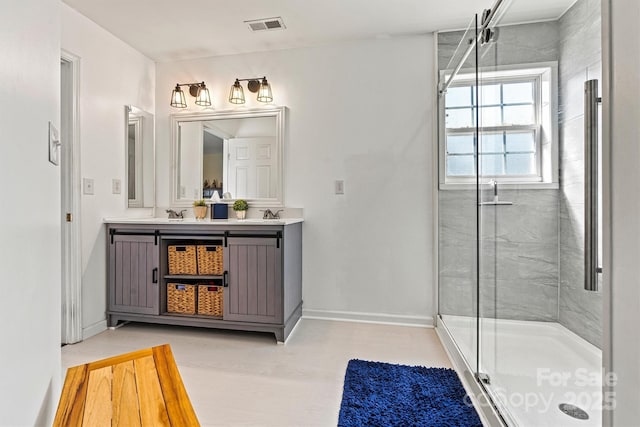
260, 283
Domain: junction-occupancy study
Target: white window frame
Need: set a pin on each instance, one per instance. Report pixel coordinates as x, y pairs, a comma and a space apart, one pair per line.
545, 77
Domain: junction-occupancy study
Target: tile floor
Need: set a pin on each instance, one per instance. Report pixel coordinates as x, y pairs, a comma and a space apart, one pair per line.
240, 378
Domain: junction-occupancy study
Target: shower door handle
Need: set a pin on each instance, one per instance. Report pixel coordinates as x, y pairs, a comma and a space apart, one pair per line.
591, 163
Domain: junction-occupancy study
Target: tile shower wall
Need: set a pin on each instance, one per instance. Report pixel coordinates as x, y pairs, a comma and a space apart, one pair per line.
457, 252
519, 252
518, 260
580, 60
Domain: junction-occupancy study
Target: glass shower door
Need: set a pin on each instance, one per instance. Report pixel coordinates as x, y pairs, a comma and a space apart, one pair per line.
491, 202
537, 322
517, 230
457, 207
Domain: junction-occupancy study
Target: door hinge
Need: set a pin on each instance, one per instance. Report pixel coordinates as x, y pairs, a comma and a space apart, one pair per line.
69, 217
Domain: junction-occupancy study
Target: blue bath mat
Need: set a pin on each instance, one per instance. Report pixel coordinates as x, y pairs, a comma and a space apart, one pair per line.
382, 394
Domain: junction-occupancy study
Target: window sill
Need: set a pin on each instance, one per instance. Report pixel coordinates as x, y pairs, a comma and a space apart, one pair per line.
504, 186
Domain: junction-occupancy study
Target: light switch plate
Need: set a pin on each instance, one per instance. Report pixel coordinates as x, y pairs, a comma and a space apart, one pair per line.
339, 186
54, 145
116, 186
87, 186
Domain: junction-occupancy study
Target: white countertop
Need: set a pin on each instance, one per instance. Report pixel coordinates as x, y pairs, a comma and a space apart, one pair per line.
193, 221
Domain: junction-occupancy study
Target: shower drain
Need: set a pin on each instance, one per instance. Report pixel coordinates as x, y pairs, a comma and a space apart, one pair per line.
573, 411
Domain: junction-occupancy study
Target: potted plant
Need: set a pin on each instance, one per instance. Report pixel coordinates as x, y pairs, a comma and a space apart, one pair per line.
200, 209
240, 206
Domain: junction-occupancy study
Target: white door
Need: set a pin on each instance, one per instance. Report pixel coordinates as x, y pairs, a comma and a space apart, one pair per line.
252, 165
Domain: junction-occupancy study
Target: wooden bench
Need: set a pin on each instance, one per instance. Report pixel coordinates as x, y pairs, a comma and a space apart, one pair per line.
141, 388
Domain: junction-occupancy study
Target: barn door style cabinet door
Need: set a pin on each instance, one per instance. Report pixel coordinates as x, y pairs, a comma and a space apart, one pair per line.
253, 277
133, 274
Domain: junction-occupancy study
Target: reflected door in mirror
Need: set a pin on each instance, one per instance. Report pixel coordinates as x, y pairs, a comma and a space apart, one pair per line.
251, 167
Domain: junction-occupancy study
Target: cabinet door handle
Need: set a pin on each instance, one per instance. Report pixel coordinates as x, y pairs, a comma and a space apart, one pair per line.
154, 275
225, 279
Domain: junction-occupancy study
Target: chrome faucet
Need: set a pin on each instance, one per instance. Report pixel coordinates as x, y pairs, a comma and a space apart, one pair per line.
494, 184
175, 215
268, 214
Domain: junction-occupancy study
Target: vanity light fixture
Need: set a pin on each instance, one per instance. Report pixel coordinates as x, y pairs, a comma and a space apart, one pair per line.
259, 85
197, 90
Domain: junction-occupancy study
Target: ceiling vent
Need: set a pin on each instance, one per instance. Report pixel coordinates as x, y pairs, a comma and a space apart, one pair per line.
266, 24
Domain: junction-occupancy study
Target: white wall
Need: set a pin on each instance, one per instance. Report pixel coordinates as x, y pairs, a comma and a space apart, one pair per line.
360, 112
30, 218
112, 74
621, 269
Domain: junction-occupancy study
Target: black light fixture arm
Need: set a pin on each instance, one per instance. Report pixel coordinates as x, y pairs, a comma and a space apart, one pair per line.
193, 87
254, 83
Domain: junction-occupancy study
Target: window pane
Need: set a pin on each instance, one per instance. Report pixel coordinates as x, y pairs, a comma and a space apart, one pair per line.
517, 93
491, 164
519, 115
491, 143
460, 165
521, 164
489, 94
490, 116
520, 141
458, 97
459, 118
460, 144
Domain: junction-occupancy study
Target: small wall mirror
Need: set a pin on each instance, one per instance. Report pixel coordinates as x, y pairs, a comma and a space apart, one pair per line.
140, 158
234, 152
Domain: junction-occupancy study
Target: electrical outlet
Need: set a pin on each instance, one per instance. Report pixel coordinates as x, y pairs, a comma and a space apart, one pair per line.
339, 186
183, 192
116, 186
87, 186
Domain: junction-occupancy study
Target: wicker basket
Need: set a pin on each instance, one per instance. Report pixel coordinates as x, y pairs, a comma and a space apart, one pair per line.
181, 298
182, 260
210, 300
210, 260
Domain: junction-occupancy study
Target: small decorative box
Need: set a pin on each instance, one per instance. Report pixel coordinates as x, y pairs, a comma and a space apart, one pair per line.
219, 211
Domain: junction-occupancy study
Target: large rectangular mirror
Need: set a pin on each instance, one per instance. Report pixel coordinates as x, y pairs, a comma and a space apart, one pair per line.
140, 158
234, 152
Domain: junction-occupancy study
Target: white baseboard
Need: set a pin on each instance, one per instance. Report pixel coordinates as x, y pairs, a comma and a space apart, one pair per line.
385, 319
95, 329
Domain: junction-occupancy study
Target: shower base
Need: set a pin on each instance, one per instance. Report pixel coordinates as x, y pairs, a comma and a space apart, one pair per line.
533, 368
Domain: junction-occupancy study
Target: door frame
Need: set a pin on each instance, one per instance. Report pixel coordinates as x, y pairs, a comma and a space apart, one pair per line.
71, 321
